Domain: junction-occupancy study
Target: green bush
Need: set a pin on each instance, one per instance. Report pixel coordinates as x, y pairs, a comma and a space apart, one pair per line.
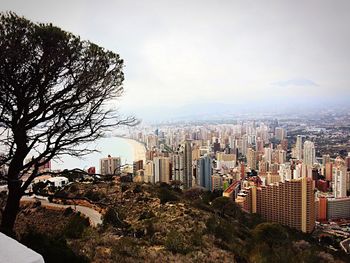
68, 211
76, 226
165, 195
123, 248
114, 218
146, 215
95, 195
272, 234
53, 249
137, 189
175, 242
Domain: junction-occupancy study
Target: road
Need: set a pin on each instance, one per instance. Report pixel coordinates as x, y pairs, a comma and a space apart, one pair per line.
345, 244
94, 216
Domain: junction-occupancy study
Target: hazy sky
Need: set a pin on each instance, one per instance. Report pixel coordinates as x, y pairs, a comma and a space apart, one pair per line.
184, 52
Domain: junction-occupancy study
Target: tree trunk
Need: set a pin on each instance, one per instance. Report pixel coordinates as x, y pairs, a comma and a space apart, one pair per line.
11, 209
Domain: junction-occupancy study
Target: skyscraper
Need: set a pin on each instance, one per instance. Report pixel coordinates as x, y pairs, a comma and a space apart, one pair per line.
182, 164
339, 173
291, 203
309, 154
187, 161
161, 169
299, 148
204, 172
251, 158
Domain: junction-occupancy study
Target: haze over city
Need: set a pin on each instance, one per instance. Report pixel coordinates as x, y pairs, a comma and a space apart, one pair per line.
182, 56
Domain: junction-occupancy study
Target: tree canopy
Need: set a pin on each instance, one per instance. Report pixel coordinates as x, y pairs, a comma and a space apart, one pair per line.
57, 93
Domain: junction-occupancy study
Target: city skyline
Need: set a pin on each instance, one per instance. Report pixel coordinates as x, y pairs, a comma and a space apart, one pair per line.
182, 57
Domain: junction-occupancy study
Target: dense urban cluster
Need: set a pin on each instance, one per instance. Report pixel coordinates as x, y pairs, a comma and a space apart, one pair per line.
255, 163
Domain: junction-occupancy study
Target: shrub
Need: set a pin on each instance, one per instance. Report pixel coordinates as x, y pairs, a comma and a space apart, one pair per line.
114, 218
68, 211
146, 215
193, 193
125, 247
74, 188
272, 234
53, 249
95, 195
137, 189
76, 226
165, 195
175, 242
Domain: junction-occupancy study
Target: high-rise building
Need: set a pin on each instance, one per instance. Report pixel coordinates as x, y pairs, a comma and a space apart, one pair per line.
309, 154
110, 165
161, 169
137, 165
347, 161
182, 164
177, 167
204, 172
299, 148
290, 203
280, 133
216, 182
148, 172
268, 154
187, 161
339, 175
251, 158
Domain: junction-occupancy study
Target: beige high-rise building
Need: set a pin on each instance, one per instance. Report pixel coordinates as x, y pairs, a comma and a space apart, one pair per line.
252, 159
280, 133
290, 203
221, 156
148, 172
161, 169
110, 165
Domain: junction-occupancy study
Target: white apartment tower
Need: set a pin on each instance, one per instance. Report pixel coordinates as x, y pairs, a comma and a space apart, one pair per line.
309, 156
339, 181
110, 165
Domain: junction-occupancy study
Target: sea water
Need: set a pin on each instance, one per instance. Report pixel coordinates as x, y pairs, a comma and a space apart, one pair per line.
114, 146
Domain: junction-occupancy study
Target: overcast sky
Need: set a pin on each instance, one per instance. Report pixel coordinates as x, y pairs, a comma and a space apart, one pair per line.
196, 52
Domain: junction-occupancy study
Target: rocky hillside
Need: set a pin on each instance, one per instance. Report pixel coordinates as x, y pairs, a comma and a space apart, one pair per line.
162, 223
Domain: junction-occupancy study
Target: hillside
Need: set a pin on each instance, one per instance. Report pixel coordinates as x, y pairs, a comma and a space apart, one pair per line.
147, 223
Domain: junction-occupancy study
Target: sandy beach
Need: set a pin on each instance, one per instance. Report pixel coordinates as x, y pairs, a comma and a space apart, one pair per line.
139, 149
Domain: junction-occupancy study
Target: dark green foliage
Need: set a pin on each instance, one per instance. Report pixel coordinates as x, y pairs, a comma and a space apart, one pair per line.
95, 196
209, 196
137, 189
73, 188
149, 227
272, 234
146, 215
225, 206
175, 242
124, 187
114, 218
76, 226
68, 211
39, 188
53, 249
165, 195
193, 193
123, 248
61, 193
197, 238
222, 229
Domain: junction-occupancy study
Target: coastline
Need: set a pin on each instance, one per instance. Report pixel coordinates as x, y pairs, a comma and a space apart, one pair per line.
138, 148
